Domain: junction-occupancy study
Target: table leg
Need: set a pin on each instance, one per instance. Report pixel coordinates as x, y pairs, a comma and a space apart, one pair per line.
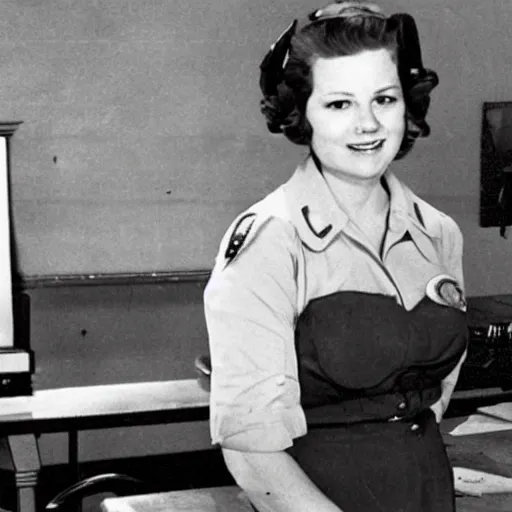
74, 464
26, 464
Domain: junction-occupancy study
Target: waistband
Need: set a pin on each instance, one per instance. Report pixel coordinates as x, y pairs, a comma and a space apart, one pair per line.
389, 407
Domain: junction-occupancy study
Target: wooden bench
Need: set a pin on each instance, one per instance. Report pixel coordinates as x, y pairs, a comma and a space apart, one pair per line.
72, 410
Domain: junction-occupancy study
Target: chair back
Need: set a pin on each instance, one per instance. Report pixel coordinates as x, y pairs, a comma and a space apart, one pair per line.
203, 366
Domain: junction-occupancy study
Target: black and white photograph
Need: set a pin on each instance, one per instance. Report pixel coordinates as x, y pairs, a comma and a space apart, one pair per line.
255, 256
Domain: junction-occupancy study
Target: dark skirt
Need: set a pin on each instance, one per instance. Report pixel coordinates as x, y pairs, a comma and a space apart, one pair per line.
397, 466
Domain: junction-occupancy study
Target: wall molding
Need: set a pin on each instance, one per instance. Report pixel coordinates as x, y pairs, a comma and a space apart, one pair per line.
71, 280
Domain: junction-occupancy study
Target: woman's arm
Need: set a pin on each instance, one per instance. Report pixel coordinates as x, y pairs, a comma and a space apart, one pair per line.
453, 294
255, 410
447, 387
274, 482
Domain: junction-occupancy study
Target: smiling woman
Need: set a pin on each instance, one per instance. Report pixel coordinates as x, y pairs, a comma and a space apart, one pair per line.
334, 345
357, 116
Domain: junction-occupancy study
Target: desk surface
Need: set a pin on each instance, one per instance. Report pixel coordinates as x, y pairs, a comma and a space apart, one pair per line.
90, 407
113, 405
215, 499
232, 499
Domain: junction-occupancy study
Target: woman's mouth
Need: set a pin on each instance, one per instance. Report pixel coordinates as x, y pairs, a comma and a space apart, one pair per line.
367, 147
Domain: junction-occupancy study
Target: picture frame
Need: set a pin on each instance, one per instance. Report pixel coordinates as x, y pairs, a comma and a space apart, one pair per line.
496, 165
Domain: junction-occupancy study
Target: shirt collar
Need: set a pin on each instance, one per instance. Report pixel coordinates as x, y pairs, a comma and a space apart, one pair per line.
314, 212
318, 218
407, 211
408, 214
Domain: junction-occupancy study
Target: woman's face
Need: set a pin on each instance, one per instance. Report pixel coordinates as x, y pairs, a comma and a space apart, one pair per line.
357, 113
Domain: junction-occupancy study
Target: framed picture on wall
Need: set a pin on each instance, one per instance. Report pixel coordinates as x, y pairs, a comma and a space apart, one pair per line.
496, 165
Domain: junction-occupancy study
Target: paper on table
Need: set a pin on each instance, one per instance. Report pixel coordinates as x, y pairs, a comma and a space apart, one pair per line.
480, 423
476, 483
501, 411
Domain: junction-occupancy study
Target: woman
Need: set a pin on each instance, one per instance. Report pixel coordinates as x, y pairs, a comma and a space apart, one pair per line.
335, 310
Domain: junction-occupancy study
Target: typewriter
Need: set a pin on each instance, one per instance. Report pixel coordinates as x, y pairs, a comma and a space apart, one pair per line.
489, 360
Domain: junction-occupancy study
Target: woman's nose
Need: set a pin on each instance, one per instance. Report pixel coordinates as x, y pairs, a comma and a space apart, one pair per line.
366, 121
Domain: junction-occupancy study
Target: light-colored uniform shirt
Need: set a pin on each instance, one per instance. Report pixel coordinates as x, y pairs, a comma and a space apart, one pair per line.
296, 245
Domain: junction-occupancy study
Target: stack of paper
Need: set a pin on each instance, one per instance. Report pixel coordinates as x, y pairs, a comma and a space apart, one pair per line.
501, 411
476, 483
492, 418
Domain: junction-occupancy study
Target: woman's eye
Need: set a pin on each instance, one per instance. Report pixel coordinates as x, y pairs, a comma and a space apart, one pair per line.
338, 104
385, 100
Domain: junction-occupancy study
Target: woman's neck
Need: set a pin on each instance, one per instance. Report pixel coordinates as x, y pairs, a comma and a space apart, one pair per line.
366, 203
361, 200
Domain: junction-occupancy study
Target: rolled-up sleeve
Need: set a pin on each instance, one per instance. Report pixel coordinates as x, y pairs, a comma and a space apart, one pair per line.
250, 308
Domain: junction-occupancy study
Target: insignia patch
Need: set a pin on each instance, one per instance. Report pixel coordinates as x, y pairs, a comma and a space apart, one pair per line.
452, 294
445, 290
320, 234
239, 235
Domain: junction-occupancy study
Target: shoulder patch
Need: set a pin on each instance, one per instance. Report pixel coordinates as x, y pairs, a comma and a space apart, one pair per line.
239, 235
246, 226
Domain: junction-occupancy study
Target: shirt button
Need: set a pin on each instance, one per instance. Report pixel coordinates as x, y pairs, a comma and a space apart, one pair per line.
415, 427
280, 380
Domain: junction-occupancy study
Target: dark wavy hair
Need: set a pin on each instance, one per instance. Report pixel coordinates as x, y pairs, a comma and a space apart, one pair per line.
285, 110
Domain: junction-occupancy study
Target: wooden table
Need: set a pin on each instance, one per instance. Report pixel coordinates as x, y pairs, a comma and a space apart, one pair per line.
76, 409
72, 410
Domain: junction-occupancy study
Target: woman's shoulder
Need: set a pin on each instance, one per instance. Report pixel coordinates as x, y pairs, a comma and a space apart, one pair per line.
266, 225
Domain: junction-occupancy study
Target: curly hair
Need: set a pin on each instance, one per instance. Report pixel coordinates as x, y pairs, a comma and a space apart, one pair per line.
285, 110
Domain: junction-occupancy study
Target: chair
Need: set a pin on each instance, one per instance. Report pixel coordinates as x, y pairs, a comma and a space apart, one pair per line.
203, 366
115, 483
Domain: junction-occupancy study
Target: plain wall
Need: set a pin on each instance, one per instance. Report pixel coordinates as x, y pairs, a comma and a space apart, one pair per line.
142, 139
142, 136
83, 336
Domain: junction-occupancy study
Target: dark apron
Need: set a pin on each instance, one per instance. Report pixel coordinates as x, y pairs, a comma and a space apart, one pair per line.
369, 370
